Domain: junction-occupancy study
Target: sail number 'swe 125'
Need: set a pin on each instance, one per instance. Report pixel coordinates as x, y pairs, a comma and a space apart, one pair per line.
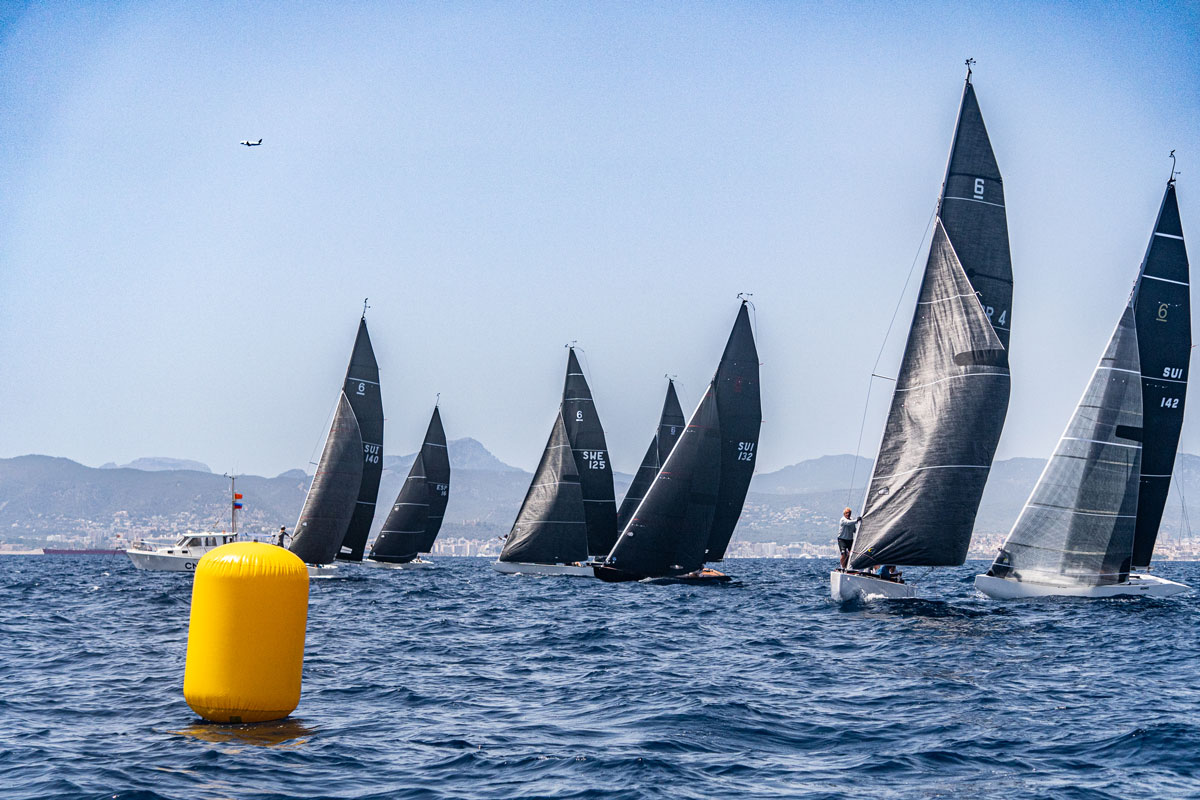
746, 451
595, 459
371, 453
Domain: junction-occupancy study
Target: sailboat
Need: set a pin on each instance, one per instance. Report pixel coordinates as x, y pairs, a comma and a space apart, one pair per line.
549, 513
1093, 516
416, 516
951, 394
340, 503
689, 512
670, 427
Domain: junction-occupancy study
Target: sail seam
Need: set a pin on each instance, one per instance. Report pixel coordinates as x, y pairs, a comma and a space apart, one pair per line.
1164, 380
939, 466
1120, 369
973, 200
362, 380
1098, 441
952, 377
1164, 280
944, 299
1168, 236
1077, 511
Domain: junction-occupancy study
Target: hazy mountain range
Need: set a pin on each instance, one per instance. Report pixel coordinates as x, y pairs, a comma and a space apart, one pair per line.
42, 495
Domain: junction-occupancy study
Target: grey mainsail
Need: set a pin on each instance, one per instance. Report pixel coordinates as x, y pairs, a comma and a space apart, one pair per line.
416, 517
551, 527
1162, 314
333, 494
586, 436
670, 426
739, 408
668, 534
1078, 525
972, 212
947, 412
362, 389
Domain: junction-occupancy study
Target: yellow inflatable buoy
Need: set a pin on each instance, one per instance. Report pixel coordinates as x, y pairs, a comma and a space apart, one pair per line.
245, 648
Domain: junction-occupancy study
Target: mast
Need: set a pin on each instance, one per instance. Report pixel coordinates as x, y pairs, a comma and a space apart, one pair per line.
590, 450
1162, 312
736, 390
361, 387
951, 394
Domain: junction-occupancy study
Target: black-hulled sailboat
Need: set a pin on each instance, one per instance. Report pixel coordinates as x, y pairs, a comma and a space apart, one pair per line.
545, 532
688, 514
550, 535
670, 427
337, 516
952, 390
1093, 517
416, 517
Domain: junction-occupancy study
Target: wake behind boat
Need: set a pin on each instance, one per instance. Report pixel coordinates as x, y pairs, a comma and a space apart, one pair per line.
951, 393
1094, 514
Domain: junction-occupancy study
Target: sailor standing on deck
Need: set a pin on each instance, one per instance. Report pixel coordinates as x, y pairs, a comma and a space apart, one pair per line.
846, 530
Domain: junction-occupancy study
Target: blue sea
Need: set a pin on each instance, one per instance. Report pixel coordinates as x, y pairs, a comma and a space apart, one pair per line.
459, 682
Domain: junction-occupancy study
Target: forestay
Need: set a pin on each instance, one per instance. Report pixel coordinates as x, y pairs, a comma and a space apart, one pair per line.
332, 496
1078, 525
1162, 314
946, 415
551, 526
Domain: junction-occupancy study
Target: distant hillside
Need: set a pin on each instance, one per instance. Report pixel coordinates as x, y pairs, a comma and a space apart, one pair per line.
42, 496
159, 464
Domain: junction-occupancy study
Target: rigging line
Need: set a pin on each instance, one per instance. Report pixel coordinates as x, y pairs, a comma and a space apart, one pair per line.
1187, 525
879, 356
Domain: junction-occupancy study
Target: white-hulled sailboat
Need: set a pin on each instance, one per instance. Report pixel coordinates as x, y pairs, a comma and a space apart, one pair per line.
1093, 516
952, 390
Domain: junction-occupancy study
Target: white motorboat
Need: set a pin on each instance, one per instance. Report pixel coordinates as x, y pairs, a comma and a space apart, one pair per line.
416, 563
181, 556
1139, 584
517, 568
850, 586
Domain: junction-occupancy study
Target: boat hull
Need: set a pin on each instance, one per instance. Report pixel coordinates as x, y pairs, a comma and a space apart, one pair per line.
515, 568
161, 562
323, 570
847, 586
416, 563
1140, 584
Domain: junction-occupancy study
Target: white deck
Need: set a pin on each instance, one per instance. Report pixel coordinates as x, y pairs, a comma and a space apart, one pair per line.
846, 586
573, 570
1140, 584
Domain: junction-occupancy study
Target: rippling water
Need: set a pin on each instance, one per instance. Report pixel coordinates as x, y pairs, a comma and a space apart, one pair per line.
459, 682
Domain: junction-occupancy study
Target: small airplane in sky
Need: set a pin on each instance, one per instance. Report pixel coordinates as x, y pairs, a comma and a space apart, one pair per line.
249, 143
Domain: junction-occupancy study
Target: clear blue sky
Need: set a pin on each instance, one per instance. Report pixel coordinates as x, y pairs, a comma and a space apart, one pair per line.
502, 178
